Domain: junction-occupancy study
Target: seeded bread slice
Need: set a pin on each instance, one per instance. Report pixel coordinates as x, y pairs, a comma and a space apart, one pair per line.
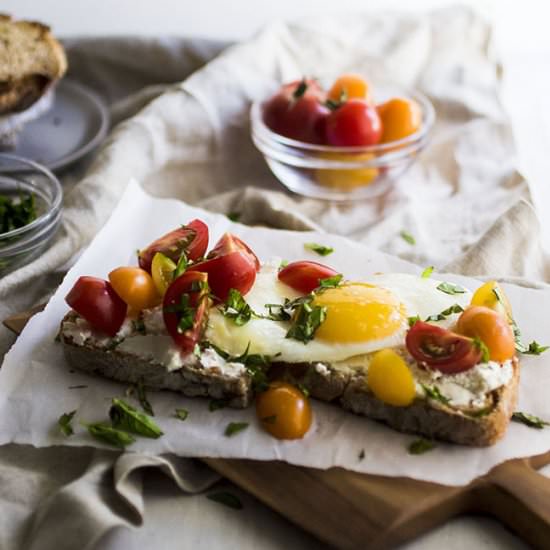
31, 59
345, 387
193, 379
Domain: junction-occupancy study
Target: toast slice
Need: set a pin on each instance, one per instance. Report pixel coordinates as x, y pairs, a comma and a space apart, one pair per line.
31, 59
344, 384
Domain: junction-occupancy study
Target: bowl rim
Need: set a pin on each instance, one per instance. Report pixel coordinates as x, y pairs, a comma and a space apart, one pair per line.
54, 207
428, 119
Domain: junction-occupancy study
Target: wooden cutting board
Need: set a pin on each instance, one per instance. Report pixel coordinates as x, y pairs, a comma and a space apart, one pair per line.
351, 510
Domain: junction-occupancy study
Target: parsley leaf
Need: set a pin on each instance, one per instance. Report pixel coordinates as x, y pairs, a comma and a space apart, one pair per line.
307, 319
181, 414
234, 216
407, 237
227, 499
413, 320
142, 398
530, 420
421, 446
181, 266
185, 311
450, 288
319, 249
331, 282
108, 434
216, 404
124, 417
236, 308
16, 213
65, 423
535, 349
427, 273
234, 428
433, 393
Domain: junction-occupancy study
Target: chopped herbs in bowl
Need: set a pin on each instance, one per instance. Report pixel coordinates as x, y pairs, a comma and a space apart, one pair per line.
30, 210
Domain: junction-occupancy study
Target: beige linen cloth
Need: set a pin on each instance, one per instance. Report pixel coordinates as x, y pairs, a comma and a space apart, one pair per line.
463, 201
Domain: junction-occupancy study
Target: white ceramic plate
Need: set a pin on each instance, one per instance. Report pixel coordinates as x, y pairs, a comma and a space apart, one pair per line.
76, 123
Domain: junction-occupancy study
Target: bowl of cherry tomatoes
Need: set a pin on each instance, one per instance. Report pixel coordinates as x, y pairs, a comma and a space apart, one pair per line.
341, 144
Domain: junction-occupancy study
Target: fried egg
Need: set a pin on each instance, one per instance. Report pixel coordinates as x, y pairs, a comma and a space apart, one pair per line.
361, 317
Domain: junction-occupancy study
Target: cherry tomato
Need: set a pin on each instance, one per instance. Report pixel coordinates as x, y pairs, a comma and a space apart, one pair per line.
400, 118
491, 328
135, 286
230, 264
491, 295
348, 86
442, 349
284, 411
305, 276
298, 112
346, 178
185, 309
191, 239
390, 379
96, 301
355, 123
162, 271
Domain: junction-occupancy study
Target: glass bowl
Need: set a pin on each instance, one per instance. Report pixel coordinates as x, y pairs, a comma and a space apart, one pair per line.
342, 173
20, 176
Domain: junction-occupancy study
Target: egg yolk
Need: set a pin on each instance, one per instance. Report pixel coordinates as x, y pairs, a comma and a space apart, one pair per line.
358, 312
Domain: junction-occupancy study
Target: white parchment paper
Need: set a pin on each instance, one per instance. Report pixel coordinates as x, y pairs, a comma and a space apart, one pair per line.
35, 381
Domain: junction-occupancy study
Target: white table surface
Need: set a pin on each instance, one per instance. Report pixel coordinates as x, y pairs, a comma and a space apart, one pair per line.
525, 45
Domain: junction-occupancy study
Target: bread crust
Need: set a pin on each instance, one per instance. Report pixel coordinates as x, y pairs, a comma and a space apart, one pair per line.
346, 388
31, 60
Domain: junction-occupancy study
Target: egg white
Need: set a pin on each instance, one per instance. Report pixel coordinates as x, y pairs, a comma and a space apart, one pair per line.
419, 297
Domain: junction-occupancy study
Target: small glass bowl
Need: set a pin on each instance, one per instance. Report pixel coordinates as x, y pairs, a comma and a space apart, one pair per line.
342, 173
18, 175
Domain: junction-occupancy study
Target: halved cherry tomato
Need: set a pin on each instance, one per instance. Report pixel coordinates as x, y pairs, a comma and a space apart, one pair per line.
355, 123
230, 264
491, 295
298, 112
284, 411
191, 239
135, 286
348, 86
400, 118
162, 271
491, 328
96, 301
442, 349
305, 276
185, 309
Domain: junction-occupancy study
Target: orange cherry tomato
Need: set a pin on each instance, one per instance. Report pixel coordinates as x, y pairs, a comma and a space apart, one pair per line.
491, 328
135, 286
349, 86
400, 118
284, 411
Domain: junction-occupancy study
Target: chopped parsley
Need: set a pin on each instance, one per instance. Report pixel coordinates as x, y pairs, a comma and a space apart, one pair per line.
361, 454
142, 398
234, 216
482, 347
236, 308
455, 308
530, 420
427, 273
181, 414
65, 423
216, 404
16, 213
112, 436
331, 282
450, 288
421, 446
535, 348
412, 320
319, 249
433, 393
306, 320
407, 237
227, 499
181, 266
234, 428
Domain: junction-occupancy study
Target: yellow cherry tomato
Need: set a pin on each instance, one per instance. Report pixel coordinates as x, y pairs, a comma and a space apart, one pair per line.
400, 118
284, 411
162, 269
135, 286
343, 178
349, 86
491, 295
390, 379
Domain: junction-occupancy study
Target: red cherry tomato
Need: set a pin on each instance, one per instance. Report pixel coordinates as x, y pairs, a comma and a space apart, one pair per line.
298, 112
442, 349
185, 309
355, 123
96, 301
230, 264
191, 239
305, 276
